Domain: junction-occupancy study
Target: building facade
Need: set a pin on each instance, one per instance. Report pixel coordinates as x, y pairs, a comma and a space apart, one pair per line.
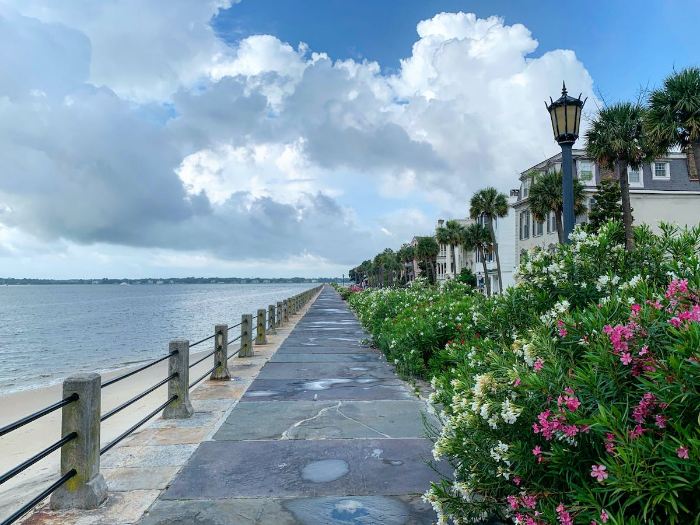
661, 191
504, 228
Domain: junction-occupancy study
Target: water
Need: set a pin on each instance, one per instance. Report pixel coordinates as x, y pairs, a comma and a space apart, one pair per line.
50, 332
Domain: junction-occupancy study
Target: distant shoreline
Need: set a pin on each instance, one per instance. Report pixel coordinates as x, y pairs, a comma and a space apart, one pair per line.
163, 281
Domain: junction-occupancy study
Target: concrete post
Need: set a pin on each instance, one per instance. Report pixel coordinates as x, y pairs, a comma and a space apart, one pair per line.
87, 489
286, 310
181, 408
221, 355
247, 336
260, 336
271, 319
280, 314
293, 306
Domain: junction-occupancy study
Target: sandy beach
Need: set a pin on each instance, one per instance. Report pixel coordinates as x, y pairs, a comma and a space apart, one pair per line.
34, 437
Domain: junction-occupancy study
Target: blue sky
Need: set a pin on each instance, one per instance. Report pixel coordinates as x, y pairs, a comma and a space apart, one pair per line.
625, 45
206, 139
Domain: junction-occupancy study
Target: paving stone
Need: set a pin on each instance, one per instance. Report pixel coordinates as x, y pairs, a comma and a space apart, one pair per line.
151, 478
311, 371
121, 508
384, 510
141, 456
325, 389
326, 357
325, 420
199, 419
230, 390
211, 405
168, 436
257, 469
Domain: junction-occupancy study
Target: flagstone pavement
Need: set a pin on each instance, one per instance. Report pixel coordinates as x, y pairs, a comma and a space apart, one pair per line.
325, 434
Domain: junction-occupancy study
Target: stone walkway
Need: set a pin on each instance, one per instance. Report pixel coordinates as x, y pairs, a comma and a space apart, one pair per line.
326, 434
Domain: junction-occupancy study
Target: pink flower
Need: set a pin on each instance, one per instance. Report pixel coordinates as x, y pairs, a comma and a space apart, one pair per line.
517, 382
598, 472
682, 452
560, 323
563, 332
516, 480
661, 421
634, 434
513, 502
537, 450
644, 350
478, 336
636, 308
604, 516
530, 501
625, 358
539, 364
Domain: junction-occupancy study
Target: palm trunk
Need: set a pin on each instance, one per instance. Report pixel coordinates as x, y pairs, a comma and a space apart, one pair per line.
487, 282
693, 160
626, 207
498, 259
454, 262
560, 226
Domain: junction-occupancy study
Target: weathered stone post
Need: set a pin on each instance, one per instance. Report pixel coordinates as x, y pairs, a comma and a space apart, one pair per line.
87, 489
286, 310
280, 314
271, 319
293, 306
221, 355
246, 336
260, 336
179, 363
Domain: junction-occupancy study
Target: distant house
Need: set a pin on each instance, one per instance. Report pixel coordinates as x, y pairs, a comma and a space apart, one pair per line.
661, 190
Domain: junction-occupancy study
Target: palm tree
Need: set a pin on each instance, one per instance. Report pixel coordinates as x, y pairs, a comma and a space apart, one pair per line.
477, 237
616, 140
427, 250
450, 235
490, 203
673, 118
406, 254
546, 196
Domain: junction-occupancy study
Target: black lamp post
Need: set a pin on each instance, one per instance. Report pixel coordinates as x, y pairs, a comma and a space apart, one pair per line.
565, 113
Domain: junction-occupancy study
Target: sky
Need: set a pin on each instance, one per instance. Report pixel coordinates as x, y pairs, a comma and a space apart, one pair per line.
281, 138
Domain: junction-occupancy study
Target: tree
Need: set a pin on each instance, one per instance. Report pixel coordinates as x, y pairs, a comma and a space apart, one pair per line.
406, 254
546, 195
450, 235
427, 250
466, 276
490, 203
478, 238
616, 140
673, 118
352, 275
607, 204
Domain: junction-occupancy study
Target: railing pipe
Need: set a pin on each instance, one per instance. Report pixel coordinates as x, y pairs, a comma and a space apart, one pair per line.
179, 364
221, 372
87, 489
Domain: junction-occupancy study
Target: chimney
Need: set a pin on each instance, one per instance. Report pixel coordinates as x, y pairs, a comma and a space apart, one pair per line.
440, 222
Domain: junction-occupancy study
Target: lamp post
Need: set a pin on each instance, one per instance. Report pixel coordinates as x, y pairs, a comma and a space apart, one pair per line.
343, 279
565, 113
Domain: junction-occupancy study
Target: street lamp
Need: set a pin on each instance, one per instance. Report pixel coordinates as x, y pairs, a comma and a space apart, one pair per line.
565, 113
343, 279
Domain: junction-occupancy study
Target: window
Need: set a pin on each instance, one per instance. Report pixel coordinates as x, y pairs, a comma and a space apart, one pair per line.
585, 172
524, 188
661, 170
523, 256
591, 203
537, 228
551, 222
635, 177
524, 225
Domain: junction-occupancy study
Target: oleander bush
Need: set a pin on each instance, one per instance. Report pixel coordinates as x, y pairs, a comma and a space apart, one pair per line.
571, 398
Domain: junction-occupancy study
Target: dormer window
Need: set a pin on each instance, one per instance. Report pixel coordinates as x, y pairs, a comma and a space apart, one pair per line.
585, 171
635, 177
661, 170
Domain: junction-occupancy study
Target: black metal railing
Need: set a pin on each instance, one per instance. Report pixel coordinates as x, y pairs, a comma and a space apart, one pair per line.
39, 456
278, 311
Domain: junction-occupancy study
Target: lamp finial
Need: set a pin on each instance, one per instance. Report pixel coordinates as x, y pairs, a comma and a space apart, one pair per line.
563, 88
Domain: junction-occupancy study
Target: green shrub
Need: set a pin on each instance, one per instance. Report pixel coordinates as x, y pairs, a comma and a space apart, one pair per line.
571, 398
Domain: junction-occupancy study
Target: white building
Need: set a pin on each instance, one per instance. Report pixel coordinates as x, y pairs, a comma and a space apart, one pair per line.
504, 228
662, 191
